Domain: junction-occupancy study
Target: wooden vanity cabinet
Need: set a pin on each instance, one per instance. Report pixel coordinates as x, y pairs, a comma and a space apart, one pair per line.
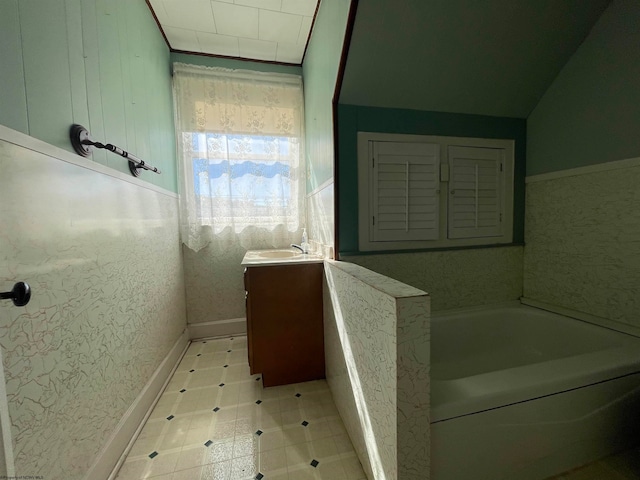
284, 322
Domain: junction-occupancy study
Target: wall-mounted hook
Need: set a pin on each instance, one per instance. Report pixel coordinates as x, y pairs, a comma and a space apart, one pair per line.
21, 294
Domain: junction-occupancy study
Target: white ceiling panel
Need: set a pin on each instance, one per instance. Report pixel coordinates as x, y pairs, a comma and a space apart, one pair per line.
268, 30
279, 27
299, 7
190, 14
305, 28
235, 20
223, 44
289, 52
158, 9
265, 4
258, 49
183, 39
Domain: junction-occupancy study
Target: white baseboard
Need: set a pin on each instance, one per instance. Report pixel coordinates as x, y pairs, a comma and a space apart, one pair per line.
222, 328
114, 451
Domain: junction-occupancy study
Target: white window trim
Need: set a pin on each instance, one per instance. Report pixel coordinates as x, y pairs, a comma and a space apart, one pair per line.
364, 203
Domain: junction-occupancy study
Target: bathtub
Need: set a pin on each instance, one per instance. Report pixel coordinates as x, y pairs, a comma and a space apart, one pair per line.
520, 393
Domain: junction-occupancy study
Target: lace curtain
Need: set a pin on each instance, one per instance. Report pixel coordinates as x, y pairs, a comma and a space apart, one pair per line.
241, 156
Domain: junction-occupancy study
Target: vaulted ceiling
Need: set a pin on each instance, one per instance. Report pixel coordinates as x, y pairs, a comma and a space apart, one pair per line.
489, 57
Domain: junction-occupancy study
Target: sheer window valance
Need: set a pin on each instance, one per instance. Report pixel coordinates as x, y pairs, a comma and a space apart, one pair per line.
240, 147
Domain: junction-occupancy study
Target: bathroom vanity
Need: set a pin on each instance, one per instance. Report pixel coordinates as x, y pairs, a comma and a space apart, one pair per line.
284, 316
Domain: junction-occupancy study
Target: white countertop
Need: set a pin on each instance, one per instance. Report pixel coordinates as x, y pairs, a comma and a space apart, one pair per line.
254, 258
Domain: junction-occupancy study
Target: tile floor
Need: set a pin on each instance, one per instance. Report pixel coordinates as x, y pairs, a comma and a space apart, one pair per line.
215, 422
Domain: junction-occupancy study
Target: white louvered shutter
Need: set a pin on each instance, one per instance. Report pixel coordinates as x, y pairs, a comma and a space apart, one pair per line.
405, 191
475, 192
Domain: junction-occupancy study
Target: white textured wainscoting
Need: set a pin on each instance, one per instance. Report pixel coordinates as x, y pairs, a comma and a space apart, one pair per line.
377, 346
101, 252
454, 278
582, 236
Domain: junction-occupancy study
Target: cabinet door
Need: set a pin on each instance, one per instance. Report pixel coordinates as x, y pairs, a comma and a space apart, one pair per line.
287, 337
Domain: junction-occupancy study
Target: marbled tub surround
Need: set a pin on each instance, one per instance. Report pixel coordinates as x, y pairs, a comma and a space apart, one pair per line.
377, 365
102, 255
454, 278
582, 251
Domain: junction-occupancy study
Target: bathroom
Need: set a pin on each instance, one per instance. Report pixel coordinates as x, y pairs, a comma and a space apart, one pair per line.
108, 318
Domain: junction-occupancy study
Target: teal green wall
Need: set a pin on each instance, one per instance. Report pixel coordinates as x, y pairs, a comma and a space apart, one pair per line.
353, 119
99, 63
13, 98
207, 61
320, 70
591, 112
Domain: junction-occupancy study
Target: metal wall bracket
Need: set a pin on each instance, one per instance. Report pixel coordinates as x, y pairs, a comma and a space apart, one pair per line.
78, 135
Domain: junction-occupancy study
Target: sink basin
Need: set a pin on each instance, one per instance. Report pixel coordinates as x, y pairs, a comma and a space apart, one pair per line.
278, 254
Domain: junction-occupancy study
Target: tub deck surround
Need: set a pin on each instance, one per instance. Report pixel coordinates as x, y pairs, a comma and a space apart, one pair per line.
511, 354
102, 255
377, 364
519, 379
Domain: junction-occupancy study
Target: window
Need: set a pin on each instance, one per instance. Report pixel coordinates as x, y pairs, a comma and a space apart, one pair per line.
240, 148
419, 192
243, 180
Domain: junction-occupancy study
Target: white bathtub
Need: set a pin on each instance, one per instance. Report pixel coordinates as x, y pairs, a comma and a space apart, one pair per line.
520, 393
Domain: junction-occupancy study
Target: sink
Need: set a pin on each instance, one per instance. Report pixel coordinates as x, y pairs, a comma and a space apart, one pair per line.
278, 254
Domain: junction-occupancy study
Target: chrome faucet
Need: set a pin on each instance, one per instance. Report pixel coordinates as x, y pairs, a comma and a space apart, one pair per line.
293, 245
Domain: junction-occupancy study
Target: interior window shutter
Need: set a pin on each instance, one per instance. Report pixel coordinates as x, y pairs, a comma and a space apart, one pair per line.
405, 184
475, 204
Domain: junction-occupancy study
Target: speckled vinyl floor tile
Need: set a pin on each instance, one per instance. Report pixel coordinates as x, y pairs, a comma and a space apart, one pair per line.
215, 421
